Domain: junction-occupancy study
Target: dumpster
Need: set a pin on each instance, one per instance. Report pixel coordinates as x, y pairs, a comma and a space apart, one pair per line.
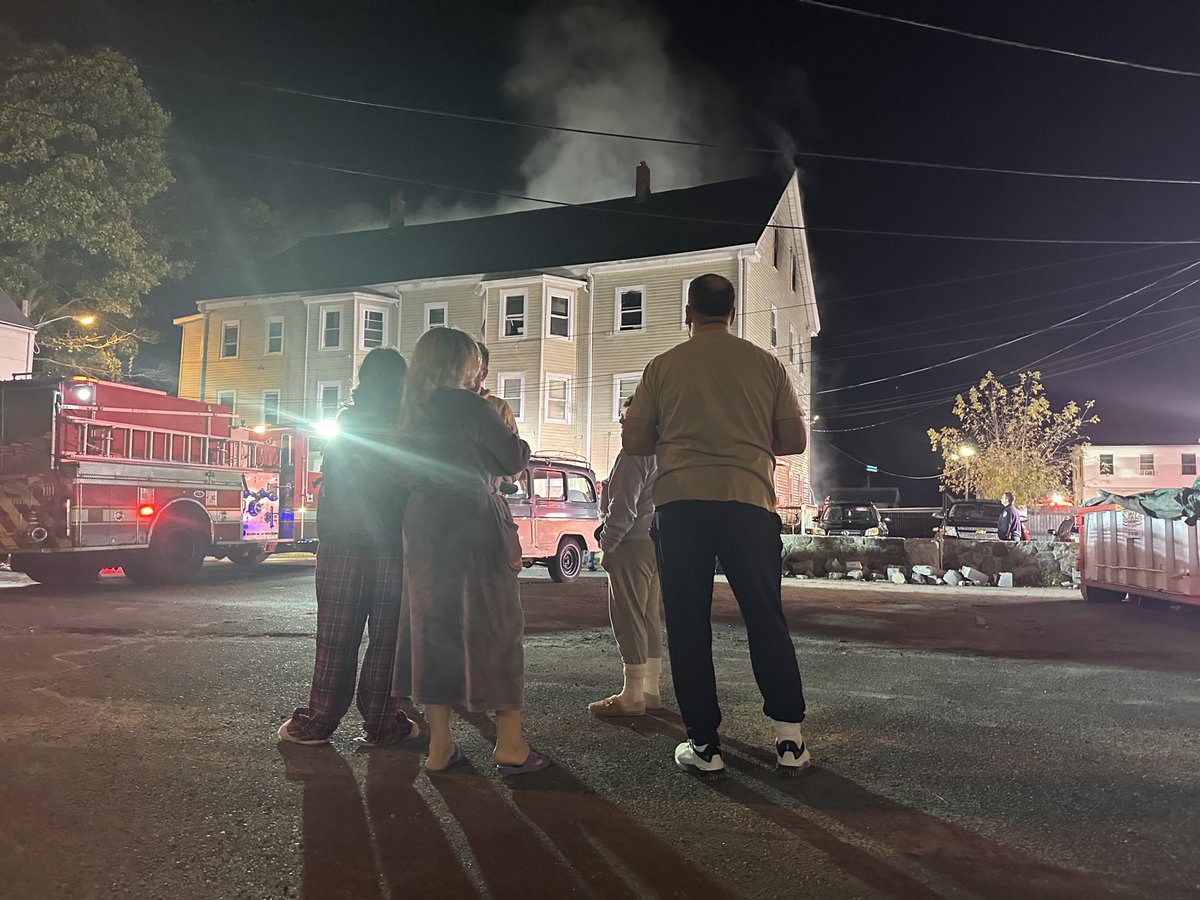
1142, 545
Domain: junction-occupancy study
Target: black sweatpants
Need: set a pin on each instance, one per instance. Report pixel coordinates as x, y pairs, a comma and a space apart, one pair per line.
690, 535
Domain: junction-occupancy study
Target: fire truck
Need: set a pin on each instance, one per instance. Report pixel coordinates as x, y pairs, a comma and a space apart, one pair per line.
96, 474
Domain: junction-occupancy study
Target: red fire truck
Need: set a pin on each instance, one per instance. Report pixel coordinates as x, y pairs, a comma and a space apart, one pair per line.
95, 474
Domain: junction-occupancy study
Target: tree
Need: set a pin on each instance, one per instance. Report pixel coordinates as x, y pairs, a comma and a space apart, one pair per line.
1010, 439
82, 158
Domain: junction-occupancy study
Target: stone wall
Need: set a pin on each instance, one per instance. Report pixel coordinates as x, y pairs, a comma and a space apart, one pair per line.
1032, 563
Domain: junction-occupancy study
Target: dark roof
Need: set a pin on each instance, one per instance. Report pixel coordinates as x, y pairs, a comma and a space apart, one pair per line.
10, 314
537, 240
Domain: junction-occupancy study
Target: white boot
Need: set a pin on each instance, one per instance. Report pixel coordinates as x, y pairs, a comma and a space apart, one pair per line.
630, 702
652, 683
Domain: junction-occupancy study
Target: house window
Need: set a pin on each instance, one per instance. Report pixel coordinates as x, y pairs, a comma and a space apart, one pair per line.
1188, 463
513, 325
560, 316
776, 248
687, 283
1146, 463
623, 388
792, 354
274, 337
774, 327
374, 325
331, 328
228, 399
510, 387
329, 396
435, 315
1106, 463
270, 407
558, 398
229, 339
631, 309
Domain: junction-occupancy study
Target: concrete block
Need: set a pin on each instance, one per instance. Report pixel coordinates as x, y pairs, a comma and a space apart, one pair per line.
897, 576
1005, 580
952, 578
836, 576
972, 574
855, 574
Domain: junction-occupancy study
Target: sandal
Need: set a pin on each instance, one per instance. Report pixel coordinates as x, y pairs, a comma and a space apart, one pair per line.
455, 758
534, 762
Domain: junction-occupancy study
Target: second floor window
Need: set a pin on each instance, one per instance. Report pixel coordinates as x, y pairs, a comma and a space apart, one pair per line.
774, 327
1146, 463
372, 328
792, 350
560, 316
1106, 463
514, 315
435, 315
229, 339
331, 328
1188, 463
270, 407
274, 336
631, 309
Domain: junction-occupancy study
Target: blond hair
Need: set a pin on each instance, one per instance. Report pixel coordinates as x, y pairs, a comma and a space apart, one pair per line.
443, 358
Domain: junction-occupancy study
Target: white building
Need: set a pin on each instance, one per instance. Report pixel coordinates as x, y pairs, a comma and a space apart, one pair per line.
1132, 468
16, 339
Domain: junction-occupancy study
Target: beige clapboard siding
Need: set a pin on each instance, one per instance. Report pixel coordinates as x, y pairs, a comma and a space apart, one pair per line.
191, 352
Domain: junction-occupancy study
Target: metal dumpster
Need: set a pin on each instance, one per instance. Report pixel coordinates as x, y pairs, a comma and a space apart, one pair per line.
1126, 552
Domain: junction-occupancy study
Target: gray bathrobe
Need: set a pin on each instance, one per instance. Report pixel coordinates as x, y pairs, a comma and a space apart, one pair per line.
461, 623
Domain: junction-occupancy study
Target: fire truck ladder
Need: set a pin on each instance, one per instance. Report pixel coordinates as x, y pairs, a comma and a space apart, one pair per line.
92, 439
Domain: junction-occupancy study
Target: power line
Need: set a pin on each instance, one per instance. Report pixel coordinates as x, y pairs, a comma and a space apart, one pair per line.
1003, 42
848, 456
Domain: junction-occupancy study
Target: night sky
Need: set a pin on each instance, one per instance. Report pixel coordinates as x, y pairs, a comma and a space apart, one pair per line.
751, 74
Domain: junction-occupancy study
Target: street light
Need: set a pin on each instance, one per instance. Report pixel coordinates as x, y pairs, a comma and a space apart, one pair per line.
84, 319
966, 451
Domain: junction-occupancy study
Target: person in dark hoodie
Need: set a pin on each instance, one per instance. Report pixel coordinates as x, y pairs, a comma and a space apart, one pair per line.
1008, 524
359, 565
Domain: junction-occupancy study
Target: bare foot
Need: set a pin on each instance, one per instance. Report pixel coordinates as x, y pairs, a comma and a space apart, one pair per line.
439, 755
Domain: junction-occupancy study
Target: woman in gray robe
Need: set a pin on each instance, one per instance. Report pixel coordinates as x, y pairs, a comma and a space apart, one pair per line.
461, 623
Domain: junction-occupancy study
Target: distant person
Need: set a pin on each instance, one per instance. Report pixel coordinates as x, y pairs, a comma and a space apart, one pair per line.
1008, 525
498, 403
359, 565
634, 596
716, 411
461, 623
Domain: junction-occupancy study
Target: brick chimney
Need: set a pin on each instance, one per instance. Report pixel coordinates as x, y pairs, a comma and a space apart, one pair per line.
641, 183
396, 210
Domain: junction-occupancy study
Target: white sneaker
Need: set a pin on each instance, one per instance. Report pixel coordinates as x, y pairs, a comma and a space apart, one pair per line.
791, 758
703, 761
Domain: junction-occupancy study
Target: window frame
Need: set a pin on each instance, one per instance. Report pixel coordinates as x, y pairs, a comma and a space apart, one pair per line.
231, 406
549, 473
616, 390
684, 285
444, 306
551, 378
519, 411
383, 326
793, 350
777, 246
236, 325
774, 326
1143, 468
278, 395
629, 289
551, 296
1107, 463
1187, 467
502, 325
323, 331
322, 386
267, 323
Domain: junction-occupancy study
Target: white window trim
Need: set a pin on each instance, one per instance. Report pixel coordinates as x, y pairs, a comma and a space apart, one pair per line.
616, 390
617, 309
510, 376
773, 326
267, 351
523, 293
687, 283
444, 307
566, 420
362, 326
560, 295
237, 326
793, 349
262, 409
321, 386
324, 312
232, 406
776, 247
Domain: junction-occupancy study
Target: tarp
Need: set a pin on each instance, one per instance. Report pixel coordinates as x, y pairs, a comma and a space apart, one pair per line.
1165, 503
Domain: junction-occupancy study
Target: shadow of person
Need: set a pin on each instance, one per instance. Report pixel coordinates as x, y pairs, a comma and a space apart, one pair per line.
339, 857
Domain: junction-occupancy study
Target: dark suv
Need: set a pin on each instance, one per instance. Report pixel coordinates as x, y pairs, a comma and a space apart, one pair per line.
975, 520
851, 519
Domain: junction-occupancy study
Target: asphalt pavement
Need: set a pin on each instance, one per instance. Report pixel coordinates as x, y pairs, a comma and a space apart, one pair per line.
966, 744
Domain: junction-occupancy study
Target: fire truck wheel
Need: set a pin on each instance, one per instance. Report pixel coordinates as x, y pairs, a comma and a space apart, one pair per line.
175, 556
565, 565
56, 571
247, 556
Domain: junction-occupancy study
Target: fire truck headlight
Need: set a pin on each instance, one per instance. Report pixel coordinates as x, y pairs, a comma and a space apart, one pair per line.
84, 393
327, 428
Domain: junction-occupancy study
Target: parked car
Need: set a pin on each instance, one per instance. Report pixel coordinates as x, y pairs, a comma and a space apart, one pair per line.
556, 508
846, 518
975, 520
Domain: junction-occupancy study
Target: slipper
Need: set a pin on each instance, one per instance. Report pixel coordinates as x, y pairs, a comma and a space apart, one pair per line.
455, 758
534, 762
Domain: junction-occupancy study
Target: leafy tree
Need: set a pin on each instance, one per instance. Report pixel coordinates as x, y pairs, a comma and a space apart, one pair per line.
1010, 439
82, 158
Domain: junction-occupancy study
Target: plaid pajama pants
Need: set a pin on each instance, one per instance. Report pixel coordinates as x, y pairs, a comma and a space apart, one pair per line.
355, 587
